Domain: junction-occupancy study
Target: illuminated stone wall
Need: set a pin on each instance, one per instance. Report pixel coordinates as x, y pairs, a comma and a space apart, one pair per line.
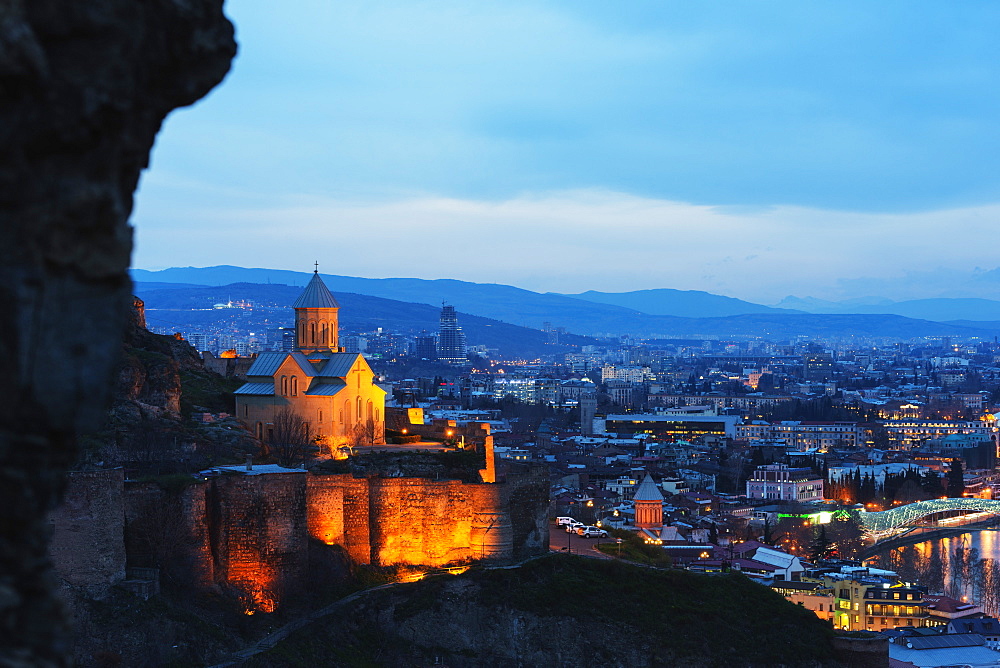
261, 542
250, 534
410, 520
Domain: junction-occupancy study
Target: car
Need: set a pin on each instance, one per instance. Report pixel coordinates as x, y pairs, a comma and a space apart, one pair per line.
561, 521
591, 532
572, 527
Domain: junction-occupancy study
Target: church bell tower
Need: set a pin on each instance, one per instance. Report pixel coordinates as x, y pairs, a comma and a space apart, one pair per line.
316, 318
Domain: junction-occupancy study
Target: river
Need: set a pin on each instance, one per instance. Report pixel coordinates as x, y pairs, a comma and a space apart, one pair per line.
966, 566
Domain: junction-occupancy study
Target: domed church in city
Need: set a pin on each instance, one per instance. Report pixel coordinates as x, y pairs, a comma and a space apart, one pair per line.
332, 392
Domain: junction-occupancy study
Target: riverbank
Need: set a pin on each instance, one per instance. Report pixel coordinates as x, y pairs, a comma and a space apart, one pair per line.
926, 535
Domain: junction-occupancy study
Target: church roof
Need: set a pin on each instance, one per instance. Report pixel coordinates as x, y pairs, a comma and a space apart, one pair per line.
256, 388
648, 491
316, 295
303, 361
326, 389
266, 363
339, 365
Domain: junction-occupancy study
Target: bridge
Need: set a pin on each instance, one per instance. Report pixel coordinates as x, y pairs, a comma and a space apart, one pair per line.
887, 523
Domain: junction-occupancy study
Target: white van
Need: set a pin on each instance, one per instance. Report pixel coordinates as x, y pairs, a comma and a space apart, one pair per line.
560, 521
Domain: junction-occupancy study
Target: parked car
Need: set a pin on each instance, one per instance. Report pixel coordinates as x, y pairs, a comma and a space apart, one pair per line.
591, 532
573, 526
560, 521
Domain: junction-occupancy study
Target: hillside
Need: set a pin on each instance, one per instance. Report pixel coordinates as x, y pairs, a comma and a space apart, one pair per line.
940, 309
411, 304
686, 303
179, 308
565, 611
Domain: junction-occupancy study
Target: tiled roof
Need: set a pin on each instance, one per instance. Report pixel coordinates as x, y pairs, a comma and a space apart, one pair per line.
316, 295
985, 626
946, 604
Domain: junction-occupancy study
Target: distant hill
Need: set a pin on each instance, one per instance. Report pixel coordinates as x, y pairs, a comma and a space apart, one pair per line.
529, 310
686, 303
180, 308
940, 309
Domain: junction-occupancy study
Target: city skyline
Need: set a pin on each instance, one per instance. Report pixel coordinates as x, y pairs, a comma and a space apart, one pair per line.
751, 151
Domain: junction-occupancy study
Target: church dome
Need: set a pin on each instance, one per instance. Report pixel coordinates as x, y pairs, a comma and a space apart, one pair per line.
316, 295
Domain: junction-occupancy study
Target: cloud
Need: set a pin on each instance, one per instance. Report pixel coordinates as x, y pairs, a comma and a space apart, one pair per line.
575, 240
850, 106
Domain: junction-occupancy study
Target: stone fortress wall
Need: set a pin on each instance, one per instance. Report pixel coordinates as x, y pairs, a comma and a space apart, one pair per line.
252, 532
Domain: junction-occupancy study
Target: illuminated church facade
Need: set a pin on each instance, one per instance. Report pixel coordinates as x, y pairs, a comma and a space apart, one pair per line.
332, 392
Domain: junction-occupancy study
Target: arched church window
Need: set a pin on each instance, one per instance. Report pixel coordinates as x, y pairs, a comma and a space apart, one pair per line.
347, 412
371, 413
324, 333
378, 416
312, 332
359, 413
295, 386
284, 386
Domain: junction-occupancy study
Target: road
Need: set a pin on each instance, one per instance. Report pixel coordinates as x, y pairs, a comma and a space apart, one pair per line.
560, 541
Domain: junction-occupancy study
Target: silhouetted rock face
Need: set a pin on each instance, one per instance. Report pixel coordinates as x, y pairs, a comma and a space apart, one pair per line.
84, 87
153, 381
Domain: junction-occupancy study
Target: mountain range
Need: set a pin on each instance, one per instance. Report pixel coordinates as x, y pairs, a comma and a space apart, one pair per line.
663, 313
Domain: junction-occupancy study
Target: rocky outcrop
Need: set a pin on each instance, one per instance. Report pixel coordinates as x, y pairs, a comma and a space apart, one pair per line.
84, 87
149, 376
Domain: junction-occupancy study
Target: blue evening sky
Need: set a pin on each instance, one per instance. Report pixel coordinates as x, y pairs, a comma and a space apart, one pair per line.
754, 149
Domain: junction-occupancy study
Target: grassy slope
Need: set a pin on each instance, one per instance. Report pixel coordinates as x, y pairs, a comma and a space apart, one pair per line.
705, 620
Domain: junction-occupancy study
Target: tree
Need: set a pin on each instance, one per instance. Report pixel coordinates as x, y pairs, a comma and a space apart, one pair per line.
288, 438
821, 547
767, 538
931, 484
956, 479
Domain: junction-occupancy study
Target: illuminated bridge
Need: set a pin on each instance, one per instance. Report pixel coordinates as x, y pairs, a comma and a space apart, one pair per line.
888, 523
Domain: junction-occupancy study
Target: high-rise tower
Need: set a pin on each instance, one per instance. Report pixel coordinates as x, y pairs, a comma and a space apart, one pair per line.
451, 341
316, 318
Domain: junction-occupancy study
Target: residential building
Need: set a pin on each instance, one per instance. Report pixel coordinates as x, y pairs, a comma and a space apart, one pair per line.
779, 482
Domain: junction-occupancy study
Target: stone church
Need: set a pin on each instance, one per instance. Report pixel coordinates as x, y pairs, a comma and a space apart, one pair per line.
333, 392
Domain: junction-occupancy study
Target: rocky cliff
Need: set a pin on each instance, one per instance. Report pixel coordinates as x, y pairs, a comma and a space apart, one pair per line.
161, 382
84, 87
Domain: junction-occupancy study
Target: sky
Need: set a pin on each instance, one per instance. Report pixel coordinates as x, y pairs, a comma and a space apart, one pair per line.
750, 149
